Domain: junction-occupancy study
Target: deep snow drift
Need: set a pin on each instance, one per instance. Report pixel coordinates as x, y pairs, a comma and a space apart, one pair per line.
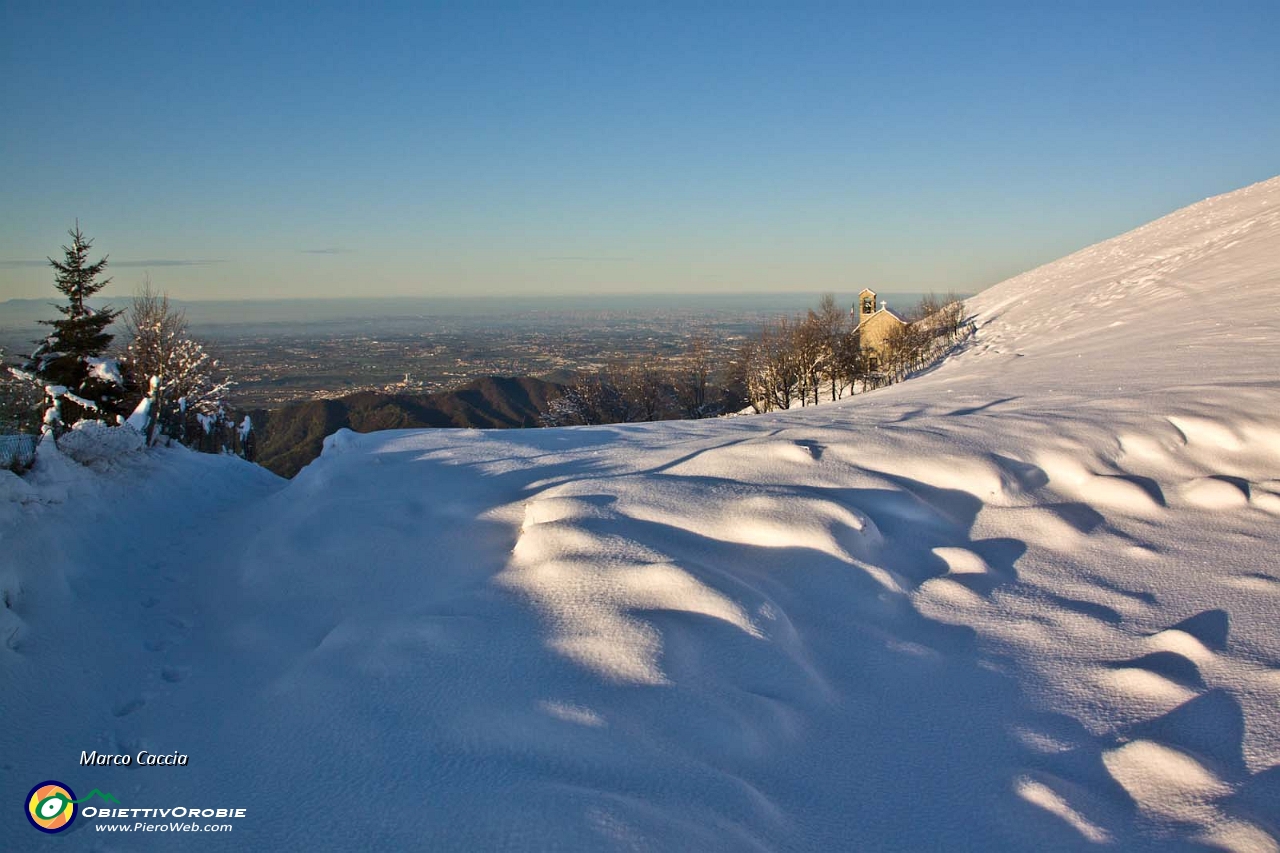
1027, 601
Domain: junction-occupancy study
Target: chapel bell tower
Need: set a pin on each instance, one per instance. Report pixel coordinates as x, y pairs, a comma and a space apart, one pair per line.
866, 304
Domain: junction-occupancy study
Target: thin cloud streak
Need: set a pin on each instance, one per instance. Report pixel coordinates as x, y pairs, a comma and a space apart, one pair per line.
168, 262
146, 262
330, 251
585, 258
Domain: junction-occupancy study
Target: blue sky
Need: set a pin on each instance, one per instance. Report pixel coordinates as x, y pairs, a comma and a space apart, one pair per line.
492, 149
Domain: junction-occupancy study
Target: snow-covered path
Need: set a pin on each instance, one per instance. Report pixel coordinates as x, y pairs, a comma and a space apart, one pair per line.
1026, 601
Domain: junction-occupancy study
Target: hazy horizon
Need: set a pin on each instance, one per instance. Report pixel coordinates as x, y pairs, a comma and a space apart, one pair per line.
23, 316
110, 294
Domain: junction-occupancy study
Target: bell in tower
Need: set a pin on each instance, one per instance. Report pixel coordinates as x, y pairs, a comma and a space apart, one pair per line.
866, 304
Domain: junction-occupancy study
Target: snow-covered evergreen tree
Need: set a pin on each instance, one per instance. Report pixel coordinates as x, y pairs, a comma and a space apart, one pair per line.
78, 380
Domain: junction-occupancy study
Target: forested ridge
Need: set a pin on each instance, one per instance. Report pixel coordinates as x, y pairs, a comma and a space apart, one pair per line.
292, 436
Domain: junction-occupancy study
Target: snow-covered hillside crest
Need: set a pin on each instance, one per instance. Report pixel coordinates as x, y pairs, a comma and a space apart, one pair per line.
1027, 601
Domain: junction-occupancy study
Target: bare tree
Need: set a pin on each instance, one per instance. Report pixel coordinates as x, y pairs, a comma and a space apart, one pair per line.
153, 327
752, 372
692, 378
791, 357
590, 400
620, 393
849, 363
833, 321
183, 399
952, 316
645, 390
811, 351
928, 306
901, 350
652, 388
778, 361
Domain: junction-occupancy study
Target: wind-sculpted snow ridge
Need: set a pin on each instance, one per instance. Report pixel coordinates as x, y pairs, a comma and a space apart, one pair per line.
1027, 601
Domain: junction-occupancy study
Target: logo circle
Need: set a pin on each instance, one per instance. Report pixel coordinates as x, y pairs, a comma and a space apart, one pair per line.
51, 806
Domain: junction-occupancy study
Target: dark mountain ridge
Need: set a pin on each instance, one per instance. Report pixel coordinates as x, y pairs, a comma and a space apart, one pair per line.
290, 437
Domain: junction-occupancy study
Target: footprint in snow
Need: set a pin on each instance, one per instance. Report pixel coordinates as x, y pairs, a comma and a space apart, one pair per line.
174, 674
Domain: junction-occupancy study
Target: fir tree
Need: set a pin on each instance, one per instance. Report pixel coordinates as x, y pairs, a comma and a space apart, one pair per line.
80, 383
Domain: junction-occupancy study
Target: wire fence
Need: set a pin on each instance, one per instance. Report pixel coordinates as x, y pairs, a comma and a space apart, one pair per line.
17, 452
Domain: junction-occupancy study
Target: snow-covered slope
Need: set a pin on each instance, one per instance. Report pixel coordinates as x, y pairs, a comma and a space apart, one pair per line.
1027, 601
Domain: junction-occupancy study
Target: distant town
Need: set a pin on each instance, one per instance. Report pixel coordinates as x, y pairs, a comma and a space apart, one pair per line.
278, 353
316, 363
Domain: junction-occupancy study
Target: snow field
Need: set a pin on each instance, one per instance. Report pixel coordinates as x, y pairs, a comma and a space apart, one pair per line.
1026, 601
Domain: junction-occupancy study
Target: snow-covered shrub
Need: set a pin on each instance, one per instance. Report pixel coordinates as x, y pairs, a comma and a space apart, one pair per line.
96, 445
